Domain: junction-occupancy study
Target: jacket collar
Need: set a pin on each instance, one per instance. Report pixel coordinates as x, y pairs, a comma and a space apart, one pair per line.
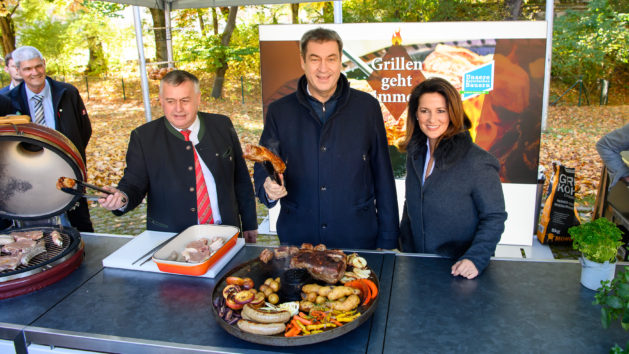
178, 135
448, 152
341, 93
57, 89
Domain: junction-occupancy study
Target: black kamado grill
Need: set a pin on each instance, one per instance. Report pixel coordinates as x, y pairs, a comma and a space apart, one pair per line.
32, 158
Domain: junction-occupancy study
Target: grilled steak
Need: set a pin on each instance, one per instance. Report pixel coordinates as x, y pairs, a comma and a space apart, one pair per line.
30, 253
18, 246
9, 262
328, 266
28, 235
6, 239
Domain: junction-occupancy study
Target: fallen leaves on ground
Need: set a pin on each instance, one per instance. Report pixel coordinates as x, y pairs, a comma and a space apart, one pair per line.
570, 138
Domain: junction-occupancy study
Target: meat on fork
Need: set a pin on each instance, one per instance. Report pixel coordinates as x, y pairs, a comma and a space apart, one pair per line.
260, 154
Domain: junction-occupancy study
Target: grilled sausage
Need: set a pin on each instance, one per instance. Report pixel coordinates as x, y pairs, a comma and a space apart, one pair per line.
265, 329
256, 315
349, 304
339, 292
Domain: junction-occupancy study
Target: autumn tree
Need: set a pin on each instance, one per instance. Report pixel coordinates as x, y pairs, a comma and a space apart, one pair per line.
219, 79
294, 9
159, 32
7, 9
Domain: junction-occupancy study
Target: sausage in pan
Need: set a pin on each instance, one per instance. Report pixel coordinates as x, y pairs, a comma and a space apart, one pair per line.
265, 329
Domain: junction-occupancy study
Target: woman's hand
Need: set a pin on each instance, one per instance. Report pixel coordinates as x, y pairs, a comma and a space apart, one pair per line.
465, 268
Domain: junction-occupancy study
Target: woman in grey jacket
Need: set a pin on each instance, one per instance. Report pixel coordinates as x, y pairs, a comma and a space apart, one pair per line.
454, 203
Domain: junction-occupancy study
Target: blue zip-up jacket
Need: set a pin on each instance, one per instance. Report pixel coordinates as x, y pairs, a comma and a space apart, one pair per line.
339, 179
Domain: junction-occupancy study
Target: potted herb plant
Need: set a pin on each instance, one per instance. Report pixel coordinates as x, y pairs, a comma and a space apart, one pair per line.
598, 241
614, 300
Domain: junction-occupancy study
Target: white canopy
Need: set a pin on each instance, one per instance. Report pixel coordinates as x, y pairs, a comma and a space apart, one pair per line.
190, 4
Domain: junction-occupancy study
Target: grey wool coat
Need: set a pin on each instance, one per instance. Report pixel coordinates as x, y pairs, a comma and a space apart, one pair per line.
459, 211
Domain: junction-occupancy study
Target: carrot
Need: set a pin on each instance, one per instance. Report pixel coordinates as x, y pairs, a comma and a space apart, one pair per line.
302, 320
303, 315
336, 323
317, 314
292, 332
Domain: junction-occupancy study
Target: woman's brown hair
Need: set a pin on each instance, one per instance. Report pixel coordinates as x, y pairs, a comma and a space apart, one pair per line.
454, 105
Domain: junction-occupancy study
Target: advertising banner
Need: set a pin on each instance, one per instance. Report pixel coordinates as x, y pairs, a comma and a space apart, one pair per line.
498, 67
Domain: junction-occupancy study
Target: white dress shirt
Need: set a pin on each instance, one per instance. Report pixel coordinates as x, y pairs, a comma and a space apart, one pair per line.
207, 175
49, 113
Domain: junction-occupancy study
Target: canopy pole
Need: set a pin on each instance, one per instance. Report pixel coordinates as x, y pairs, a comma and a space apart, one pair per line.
549, 53
169, 38
137, 23
338, 11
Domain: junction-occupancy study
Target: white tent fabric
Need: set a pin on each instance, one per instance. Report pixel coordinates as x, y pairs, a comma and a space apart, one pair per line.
168, 5
190, 4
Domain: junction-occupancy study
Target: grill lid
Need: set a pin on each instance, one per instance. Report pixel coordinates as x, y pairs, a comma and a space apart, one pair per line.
32, 158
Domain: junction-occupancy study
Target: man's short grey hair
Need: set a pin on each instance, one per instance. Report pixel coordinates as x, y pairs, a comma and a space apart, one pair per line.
177, 77
319, 35
25, 53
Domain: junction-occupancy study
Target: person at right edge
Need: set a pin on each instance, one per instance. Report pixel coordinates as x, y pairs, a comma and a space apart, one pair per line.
338, 187
609, 148
454, 202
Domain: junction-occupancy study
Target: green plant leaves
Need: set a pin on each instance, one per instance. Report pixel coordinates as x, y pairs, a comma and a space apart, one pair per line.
598, 240
614, 300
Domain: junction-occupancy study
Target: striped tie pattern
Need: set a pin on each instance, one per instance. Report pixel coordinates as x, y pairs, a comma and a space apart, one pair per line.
38, 113
204, 208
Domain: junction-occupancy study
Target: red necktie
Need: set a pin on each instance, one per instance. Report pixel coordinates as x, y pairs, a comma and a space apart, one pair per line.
204, 208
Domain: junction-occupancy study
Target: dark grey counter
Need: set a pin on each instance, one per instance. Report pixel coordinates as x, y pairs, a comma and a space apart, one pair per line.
514, 307
130, 311
20, 311
23, 310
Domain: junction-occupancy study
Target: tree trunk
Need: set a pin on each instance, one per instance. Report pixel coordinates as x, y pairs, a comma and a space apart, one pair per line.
201, 23
214, 20
294, 8
217, 89
328, 12
515, 9
97, 63
8, 34
159, 30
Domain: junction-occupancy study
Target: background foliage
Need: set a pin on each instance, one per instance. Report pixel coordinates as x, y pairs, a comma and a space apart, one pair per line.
592, 44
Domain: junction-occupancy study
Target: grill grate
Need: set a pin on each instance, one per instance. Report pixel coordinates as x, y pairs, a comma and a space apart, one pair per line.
52, 251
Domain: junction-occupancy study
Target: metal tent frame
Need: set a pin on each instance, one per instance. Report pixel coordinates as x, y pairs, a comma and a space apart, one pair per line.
168, 5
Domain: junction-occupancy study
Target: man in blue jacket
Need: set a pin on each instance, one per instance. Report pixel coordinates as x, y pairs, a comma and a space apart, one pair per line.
338, 187
56, 105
